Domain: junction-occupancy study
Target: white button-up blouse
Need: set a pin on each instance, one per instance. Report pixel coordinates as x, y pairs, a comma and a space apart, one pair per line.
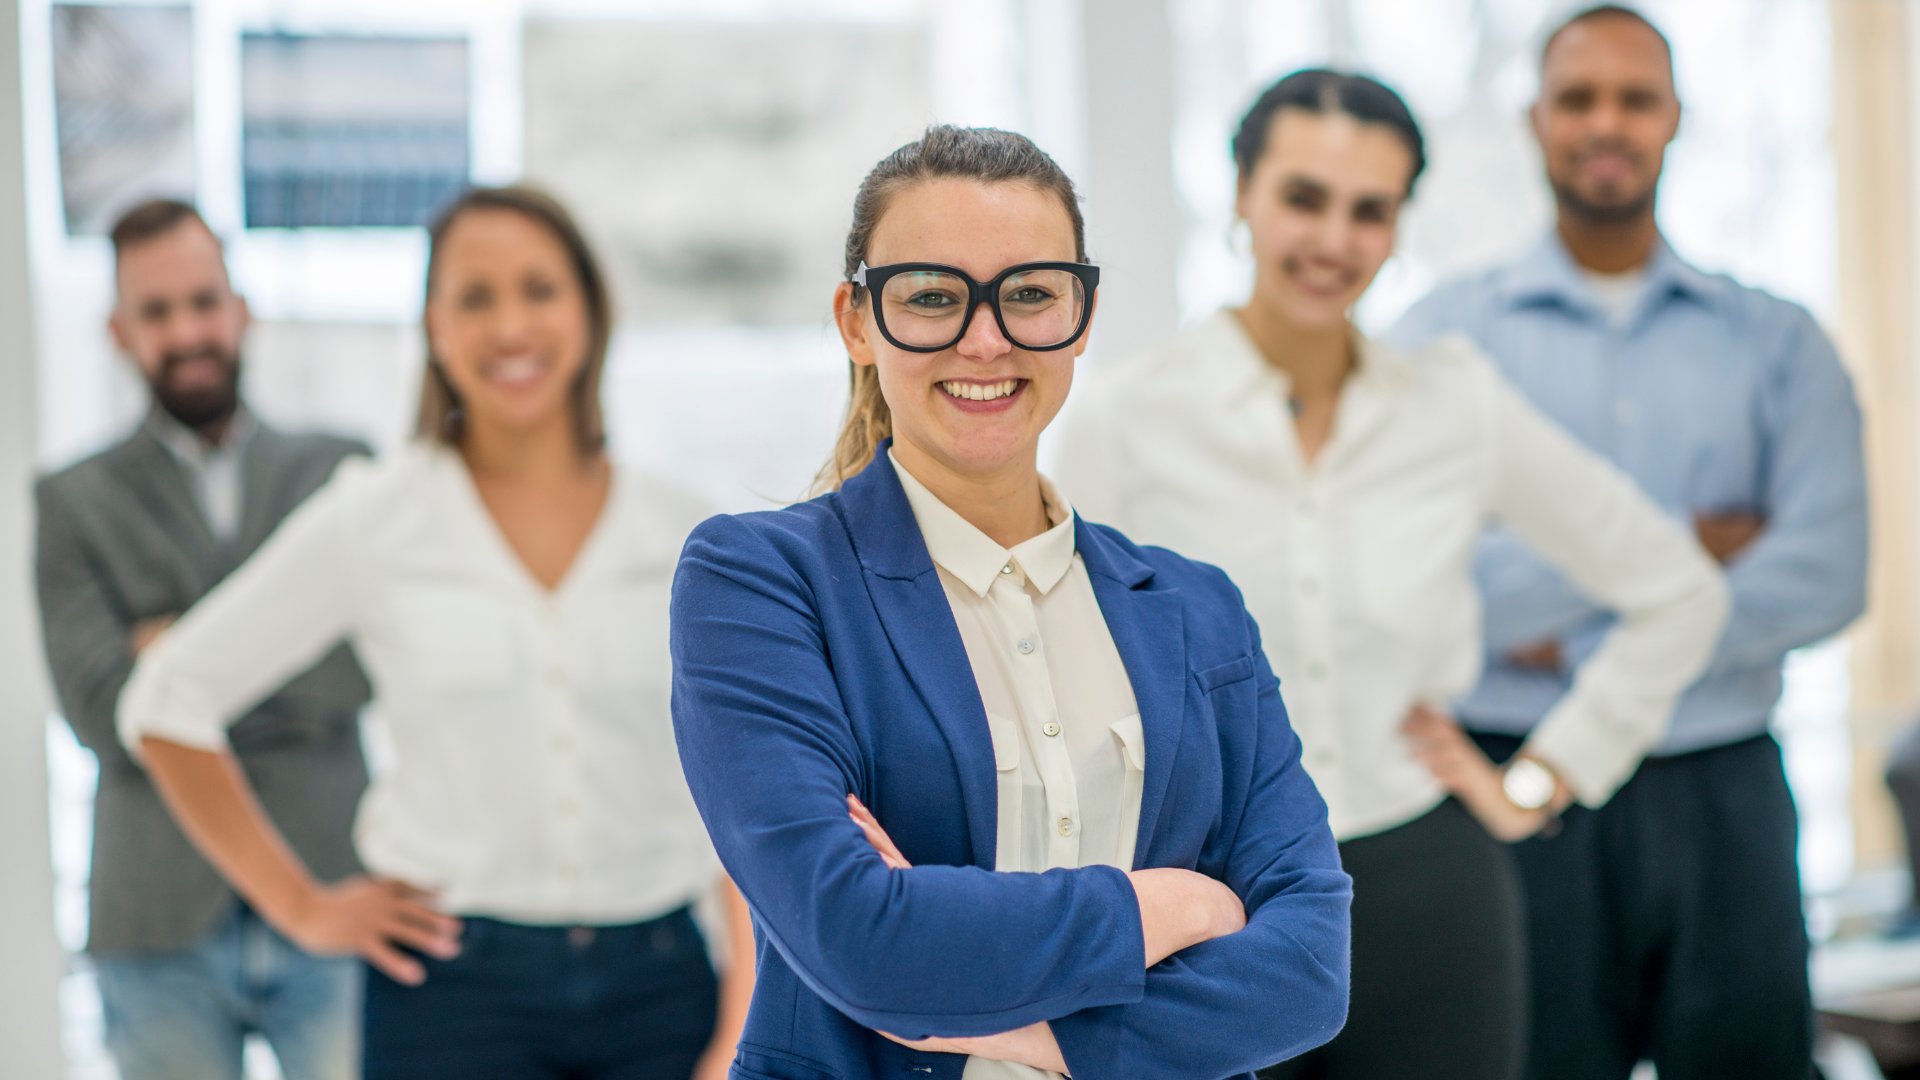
1067, 740
1358, 566
533, 775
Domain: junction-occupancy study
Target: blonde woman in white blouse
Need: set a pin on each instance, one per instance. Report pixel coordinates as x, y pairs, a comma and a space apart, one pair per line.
533, 846
1343, 484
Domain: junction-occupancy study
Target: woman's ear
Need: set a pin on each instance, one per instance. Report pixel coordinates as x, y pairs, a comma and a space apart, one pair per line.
851, 318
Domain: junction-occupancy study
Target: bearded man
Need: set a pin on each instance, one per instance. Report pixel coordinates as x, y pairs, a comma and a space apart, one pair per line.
127, 540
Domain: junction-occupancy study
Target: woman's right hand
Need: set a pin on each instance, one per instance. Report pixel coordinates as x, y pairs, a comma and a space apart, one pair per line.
1181, 908
372, 917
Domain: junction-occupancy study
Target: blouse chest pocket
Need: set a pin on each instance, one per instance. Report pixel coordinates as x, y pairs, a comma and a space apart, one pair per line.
1009, 792
452, 636
1132, 739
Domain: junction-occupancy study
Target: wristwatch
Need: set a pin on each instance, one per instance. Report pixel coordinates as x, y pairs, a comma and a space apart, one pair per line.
1528, 784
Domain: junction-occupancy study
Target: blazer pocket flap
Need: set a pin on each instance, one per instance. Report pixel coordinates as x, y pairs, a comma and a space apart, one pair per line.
1220, 675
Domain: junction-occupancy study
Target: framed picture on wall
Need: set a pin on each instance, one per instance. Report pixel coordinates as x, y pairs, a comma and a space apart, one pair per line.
123, 108
342, 131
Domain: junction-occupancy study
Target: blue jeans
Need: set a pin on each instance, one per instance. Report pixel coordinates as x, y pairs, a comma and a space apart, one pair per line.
186, 1015
633, 1002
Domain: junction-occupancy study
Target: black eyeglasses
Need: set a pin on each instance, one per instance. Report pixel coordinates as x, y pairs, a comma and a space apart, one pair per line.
927, 307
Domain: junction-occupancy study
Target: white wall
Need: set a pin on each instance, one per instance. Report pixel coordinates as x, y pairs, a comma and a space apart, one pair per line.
30, 972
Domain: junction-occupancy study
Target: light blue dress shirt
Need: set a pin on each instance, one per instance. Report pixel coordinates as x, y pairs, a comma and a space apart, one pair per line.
1716, 398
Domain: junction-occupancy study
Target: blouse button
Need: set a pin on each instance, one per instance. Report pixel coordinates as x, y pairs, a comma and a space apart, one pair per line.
1065, 825
1051, 729
1007, 569
1025, 645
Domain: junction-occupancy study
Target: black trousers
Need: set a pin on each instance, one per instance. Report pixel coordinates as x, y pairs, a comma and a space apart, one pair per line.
1903, 780
632, 1002
1439, 960
1667, 925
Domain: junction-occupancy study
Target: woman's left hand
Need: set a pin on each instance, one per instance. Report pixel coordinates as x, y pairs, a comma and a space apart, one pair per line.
876, 835
1033, 1045
1439, 743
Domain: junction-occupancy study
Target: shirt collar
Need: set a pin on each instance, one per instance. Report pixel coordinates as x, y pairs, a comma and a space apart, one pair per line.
189, 448
962, 550
1548, 274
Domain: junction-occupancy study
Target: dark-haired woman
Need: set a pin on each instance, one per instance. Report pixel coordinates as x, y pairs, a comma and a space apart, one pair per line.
1009, 796
1343, 484
533, 847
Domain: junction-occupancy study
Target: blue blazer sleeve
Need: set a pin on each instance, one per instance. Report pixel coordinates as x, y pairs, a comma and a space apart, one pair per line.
1274, 990
771, 755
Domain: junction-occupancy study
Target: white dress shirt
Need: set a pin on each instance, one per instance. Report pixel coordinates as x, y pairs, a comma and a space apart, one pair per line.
1067, 741
212, 470
1358, 566
533, 775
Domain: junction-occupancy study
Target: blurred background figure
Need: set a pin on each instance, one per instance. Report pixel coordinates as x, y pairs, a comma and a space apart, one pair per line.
128, 541
1344, 483
1668, 923
533, 849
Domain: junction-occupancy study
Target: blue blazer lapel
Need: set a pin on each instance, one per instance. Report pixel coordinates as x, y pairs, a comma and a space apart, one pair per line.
918, 620
1150, 633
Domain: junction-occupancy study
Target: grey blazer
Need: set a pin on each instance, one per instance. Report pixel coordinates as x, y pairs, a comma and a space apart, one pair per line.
121, 539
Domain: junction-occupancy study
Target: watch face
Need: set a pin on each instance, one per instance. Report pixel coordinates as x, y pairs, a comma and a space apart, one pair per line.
1528, 784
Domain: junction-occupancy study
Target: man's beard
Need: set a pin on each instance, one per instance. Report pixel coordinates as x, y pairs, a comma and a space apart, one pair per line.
1623, 205
1616, 212
204, 405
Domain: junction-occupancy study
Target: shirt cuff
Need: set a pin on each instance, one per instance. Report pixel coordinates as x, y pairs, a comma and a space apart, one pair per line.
1592, 751
157, 703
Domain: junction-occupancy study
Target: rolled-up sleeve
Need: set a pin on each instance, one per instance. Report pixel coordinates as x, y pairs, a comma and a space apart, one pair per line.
275, 616
1805, 577
1588, 520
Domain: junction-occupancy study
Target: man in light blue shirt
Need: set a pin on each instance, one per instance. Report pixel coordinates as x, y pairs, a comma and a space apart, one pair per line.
1666, 925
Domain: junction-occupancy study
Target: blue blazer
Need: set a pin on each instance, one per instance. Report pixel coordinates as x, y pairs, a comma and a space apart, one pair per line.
815, 655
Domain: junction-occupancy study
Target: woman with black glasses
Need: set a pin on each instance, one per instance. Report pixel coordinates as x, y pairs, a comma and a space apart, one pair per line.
1008, 795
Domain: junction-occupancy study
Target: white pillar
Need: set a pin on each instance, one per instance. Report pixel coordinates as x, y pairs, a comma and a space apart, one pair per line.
30, 971
1133, 210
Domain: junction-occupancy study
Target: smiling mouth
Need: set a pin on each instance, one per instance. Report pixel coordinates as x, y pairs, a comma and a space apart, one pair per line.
1319, 278
994, 391
516, 371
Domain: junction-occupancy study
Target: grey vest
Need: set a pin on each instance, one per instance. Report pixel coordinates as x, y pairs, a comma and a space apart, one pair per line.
121, 539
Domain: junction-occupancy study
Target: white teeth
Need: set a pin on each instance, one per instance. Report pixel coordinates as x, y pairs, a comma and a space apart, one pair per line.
981, 391
519, 369
1322, 277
